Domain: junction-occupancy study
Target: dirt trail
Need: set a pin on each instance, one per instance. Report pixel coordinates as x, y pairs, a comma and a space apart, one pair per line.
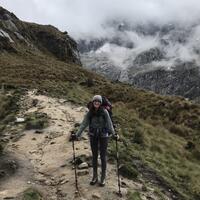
44, 159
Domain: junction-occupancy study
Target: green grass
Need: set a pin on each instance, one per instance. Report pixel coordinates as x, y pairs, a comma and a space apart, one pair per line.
36, 121
133, 195
32, 194
8, 109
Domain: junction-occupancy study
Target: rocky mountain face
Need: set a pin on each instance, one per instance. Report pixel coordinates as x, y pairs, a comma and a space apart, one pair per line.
162, 58
16, 36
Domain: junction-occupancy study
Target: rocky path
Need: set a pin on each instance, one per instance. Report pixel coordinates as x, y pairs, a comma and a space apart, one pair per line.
44, 157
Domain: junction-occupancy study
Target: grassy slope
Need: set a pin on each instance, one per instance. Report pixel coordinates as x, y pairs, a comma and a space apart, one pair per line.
8, 108
152, 127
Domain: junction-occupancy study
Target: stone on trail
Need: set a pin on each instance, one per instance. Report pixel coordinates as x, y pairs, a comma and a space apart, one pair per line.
82, 172
2, 173
83, 165
39, 131
96, 196
8, 198
52, 142
19, 120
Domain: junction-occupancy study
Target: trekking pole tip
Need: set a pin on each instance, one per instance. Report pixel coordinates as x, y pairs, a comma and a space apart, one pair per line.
119, 194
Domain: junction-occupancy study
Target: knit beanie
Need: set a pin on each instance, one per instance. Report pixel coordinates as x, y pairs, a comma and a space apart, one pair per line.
97, 98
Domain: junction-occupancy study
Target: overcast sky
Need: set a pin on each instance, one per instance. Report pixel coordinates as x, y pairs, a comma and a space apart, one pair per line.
86, 16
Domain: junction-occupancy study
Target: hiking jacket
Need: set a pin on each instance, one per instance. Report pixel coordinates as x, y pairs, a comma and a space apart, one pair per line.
98, 125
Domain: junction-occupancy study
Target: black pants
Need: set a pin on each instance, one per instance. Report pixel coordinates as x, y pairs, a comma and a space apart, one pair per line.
99, 144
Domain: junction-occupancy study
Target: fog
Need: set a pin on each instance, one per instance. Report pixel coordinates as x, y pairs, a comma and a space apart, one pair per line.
87, 19
83, 17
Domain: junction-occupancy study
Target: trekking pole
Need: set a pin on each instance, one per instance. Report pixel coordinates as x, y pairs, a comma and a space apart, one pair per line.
118, 176
75, 171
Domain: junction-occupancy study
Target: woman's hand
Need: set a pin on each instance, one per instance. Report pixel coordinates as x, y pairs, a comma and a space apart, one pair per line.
73, 136
115, 136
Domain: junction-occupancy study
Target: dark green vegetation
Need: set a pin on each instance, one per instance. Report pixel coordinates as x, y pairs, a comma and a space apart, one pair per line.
160, 135
32, 194
134, 196
36, 121
8, 109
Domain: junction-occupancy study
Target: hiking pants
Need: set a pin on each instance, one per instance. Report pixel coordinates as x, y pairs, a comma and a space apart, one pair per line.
99, 144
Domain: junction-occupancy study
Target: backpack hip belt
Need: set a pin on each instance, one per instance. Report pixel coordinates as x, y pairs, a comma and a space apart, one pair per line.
98, 131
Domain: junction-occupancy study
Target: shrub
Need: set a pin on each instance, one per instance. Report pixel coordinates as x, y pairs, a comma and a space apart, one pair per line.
128, 171
133, 195
32, 194
36, 121
179, 130
139, 136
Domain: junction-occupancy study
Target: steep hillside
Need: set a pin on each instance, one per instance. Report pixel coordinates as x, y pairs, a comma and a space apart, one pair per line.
17, 36
159, 142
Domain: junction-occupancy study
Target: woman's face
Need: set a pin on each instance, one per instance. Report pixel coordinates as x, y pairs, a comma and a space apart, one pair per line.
96, 104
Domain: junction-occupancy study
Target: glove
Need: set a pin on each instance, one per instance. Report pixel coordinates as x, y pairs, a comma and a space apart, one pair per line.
115, 136
73, 137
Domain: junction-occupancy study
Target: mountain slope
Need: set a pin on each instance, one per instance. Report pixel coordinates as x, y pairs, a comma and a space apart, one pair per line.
159, 142
17, 36
136, 54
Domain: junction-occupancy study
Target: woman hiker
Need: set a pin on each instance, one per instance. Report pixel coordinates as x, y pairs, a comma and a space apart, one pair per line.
100, 125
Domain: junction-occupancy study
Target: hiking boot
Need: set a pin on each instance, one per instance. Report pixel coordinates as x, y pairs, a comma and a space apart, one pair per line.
103, 179
94, 179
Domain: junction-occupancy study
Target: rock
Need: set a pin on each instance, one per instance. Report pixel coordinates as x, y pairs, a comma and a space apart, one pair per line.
84, 138
124, 191
2, 173
123, 184
39, 131
96, 196
34, 138
76, 124
41, 180
82, 172
80, 159
35, 102
64, 181
32, 152
144, 188
52, 142
83, 165
19, 120
63, 165
47, 182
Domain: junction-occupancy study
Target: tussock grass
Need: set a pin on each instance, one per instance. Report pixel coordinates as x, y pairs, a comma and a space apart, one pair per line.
8, 108
32, 194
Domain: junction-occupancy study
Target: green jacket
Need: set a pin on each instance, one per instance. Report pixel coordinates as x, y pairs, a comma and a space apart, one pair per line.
96, 122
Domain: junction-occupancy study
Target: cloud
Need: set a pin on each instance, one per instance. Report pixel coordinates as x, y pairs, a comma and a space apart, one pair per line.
87, 18
81, 17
